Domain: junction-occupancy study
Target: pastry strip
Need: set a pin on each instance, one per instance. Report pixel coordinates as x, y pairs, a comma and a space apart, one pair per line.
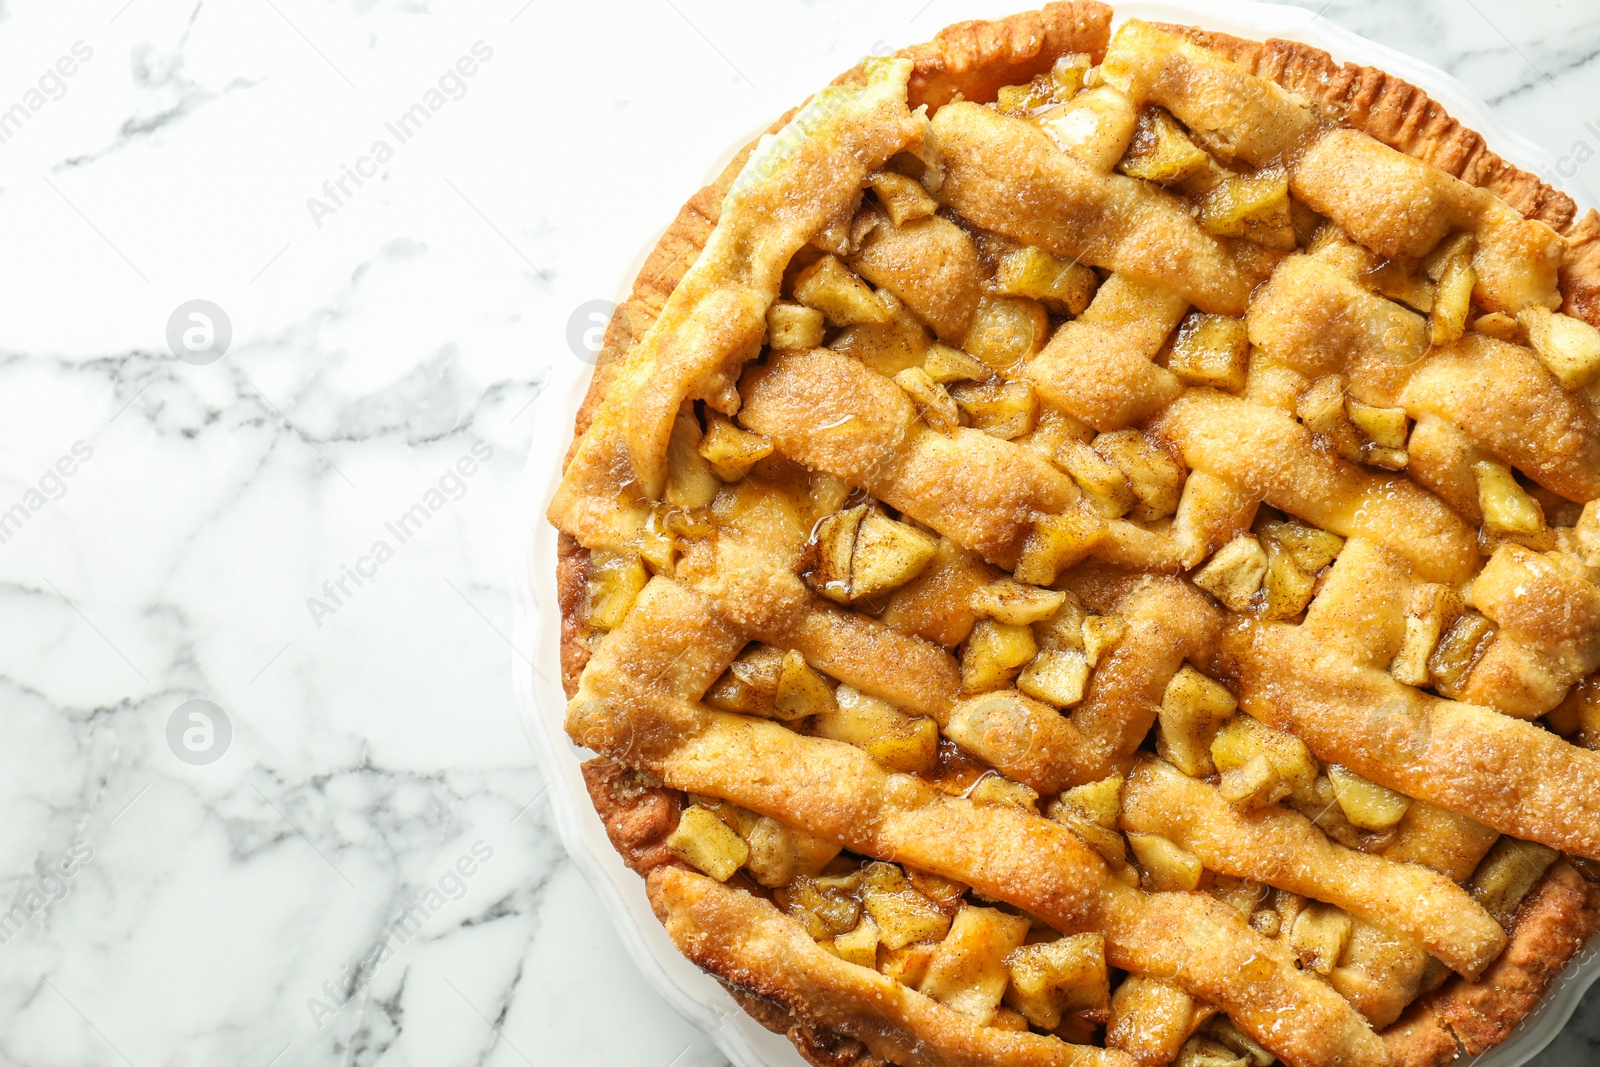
1501, 396
1006, 175
1549, 615
1519, 778
831, 413
1012, 51
1353, 617
1098, 367
1309, 316
1168, 622
1283, 849
714, 320
915, 675
750, 944
1049, 751
1267, 452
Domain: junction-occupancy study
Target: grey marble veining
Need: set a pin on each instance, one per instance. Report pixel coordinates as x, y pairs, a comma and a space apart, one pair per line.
343, 854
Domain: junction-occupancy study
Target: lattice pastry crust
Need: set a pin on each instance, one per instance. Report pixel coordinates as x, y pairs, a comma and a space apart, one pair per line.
1082, 549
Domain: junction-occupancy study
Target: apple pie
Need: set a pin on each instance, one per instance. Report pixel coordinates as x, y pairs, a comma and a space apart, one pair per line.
1081, 549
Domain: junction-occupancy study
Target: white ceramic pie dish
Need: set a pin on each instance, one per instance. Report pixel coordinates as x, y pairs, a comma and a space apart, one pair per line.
537, 622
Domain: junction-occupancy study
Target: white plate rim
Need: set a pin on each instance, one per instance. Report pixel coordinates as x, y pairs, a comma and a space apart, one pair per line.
693, 994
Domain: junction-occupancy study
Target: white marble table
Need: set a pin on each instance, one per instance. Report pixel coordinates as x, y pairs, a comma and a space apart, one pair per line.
309, 531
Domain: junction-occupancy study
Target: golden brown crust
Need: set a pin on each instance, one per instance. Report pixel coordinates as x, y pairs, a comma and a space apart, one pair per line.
638, 815
750, 944
572, 561
1553, 924
665, 266
818, 1046
1403, 117
1580, 270
1393, 111
1282, 847
1421, 1042
972, 61
663, 269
